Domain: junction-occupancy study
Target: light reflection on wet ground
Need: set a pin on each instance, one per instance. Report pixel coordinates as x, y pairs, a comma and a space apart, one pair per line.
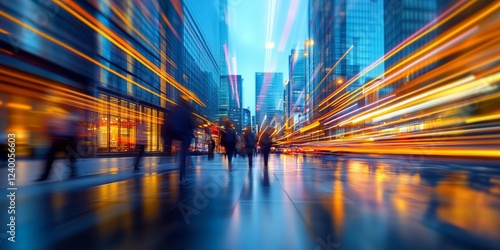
347, 202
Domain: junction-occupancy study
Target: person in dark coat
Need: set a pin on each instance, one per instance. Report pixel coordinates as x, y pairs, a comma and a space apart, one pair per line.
181, 125
141, 142
229, 140
265, 142
211, 148
63, 129
250, 141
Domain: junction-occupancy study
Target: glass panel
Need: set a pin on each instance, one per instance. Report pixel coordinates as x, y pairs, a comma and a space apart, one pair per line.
148, 127
133, 121
103, 126
125, 126
161, 115
154, 131
114, 125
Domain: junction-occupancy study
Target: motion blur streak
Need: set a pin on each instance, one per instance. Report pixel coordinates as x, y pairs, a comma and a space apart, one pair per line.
79, 13
64, 45
450, 110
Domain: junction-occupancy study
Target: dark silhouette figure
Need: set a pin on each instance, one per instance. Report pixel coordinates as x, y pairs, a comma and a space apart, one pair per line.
180, 126
141, 142
265, 142
229, 141
250, 141
63, 130
240, 146
211, 148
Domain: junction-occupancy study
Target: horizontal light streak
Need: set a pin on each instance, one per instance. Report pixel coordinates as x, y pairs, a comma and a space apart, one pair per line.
331, 69
18, 106
483, 118
400, 47
463, 92
98, 27
310, 126
402, 150
50, 38
409, 100
341, 112
364, 107
338, 100
425, 57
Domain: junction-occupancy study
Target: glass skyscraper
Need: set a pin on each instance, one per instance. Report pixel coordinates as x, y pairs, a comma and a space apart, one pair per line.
402, 19
345, 37
247, 118
230, 100
269, 109
128, 61
295, 94
203, 46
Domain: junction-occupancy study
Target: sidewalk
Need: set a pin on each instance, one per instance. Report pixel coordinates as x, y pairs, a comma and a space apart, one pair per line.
28, 170
299, 202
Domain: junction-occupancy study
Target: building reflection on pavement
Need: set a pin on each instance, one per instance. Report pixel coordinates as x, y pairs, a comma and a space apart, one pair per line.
300, 202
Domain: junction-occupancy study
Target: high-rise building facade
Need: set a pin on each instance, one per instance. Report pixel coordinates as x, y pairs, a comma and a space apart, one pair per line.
295, 103
224, 37
230, 100
202, 41
132, 68
269, 108
345, 38
401, 20
124, 72
247, 118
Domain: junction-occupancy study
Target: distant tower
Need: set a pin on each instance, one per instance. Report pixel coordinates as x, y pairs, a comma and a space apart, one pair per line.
269, 99
230, 100
296, 87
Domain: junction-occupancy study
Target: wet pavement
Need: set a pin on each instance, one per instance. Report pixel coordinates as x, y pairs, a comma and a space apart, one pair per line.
332, 202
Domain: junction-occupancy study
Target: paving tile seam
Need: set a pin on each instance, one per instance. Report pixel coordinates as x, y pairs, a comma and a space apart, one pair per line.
311, 230
73, 227
189, 197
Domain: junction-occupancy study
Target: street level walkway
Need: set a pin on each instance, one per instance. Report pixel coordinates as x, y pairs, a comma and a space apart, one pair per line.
299, 202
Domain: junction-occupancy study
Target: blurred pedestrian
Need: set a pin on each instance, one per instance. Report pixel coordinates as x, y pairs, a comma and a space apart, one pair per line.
229, 140
180, 126
141, 142
265, 143
250, 143
211, 148
240, 146
63, 128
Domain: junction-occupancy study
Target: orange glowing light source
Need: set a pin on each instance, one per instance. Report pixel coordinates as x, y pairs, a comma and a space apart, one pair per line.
18, 106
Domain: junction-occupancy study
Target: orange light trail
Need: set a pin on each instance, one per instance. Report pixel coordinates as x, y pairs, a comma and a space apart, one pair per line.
424, 32
42, 34
94, 24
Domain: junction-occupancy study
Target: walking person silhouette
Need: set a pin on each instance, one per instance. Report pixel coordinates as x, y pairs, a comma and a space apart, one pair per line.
180, 125
229, 141
250, 142
141, 142
63, 128
265, 142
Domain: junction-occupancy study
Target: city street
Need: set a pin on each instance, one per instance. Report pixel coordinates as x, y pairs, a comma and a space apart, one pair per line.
300, 202
382, 119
